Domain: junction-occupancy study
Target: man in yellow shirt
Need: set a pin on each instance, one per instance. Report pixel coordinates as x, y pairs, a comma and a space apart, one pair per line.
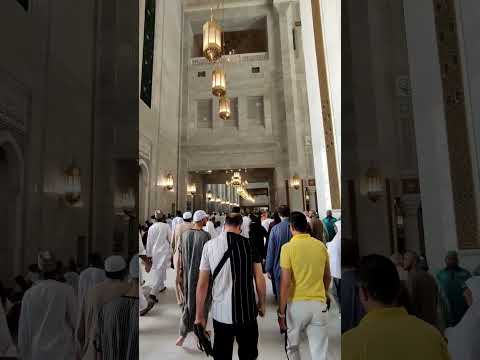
305, 278
387, 331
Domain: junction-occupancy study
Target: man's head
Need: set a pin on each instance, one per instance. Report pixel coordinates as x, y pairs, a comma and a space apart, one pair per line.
233, 223
379, 282
410, 260
298, 223
284, 211
46, 263
236, 209
187, 216
200, 218
329, 213
115, 267
264, 214
312, 214
451, 259
159, 216
397, 259
179, 213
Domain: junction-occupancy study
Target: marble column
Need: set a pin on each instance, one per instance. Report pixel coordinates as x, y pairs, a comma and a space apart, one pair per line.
294, 123
430, 129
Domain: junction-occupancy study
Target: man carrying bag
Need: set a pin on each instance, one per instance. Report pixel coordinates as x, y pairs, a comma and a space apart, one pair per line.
234, 308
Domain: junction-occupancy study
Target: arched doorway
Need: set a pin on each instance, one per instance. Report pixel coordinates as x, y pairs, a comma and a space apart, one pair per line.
11, 194
143, 191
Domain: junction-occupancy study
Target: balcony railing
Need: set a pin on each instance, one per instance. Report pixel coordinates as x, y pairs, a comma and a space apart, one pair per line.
234, 59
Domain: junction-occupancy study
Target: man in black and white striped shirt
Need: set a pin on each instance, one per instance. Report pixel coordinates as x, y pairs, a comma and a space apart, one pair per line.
234, 307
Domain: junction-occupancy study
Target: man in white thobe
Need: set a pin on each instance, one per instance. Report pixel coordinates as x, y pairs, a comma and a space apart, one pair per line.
335, 256
90, 277
160, 252
265, 220
142, 253
177, 220
48, 316
210, 228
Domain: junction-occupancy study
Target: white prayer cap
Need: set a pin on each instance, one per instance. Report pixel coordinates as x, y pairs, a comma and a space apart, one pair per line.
134, 267
199, 216
115, 263
46, 261
187, 215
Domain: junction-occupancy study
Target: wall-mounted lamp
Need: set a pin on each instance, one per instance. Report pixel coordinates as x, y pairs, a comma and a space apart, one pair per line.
192, 189
169, 182
296, 182
209, 195
73, 185
374, 184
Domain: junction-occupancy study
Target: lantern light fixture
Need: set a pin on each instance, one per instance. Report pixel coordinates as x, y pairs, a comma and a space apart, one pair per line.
73, 185
192, 189
224, 111
212, 40
169, 182
296, 182
374, 184
209, 195
219, 88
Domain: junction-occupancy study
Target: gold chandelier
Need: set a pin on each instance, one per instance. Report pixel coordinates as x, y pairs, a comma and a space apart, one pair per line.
224, 108
212, 40
218, 82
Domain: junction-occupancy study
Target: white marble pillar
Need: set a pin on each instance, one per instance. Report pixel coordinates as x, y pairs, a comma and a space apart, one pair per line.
315, 109
430, 129
294, 123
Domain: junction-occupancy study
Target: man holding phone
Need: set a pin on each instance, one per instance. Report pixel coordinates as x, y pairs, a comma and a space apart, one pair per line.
236, 267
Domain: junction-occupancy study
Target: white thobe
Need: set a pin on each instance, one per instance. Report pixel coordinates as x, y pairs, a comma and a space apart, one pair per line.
463, 341
335, 253
141, 296
47, 322
72, 279
88, 279
246, 227
159, 249
210, 228
7, 348
266, 223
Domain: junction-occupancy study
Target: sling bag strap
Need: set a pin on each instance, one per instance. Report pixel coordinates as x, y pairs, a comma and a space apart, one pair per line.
224, 259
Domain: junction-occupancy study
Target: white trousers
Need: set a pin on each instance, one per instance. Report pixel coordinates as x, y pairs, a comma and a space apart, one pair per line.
311, 317
159, 278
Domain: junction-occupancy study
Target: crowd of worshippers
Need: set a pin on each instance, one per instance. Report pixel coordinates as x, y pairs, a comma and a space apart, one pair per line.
57, 312
220, 262
397, 309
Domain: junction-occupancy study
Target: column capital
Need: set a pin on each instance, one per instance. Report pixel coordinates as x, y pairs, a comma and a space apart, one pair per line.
283, 5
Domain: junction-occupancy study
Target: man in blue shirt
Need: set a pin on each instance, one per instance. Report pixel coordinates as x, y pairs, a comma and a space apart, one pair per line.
279, 235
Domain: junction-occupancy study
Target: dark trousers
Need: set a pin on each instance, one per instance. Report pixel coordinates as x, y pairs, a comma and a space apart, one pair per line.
246, 336
337, 293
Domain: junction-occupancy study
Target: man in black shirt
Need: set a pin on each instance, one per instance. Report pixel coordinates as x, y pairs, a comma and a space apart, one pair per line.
234, 308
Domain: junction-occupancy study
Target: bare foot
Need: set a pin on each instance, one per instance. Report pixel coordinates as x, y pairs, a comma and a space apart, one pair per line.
180, 341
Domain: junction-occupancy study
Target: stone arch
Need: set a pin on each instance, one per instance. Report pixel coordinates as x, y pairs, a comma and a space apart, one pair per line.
143, 190
11, 206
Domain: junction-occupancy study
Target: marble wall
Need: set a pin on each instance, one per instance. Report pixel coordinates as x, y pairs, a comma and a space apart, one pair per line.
66, 98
